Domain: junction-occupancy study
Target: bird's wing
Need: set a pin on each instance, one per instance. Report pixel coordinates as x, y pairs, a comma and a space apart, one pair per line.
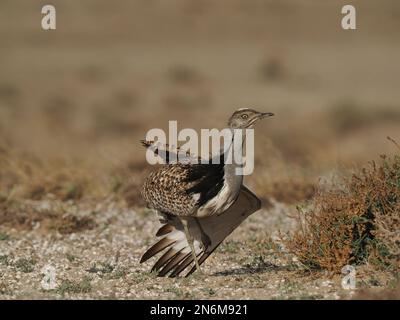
170, 154
177, 255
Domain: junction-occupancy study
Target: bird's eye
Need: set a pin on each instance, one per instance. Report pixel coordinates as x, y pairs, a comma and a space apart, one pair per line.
245, 116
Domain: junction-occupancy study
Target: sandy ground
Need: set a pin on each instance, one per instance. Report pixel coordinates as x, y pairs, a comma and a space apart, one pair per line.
103, 263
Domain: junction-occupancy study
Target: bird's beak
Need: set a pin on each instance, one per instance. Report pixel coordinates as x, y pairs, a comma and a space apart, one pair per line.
266, 114
263, 115
259, 116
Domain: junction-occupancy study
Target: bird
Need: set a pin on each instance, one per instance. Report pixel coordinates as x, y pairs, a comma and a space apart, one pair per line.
199, 204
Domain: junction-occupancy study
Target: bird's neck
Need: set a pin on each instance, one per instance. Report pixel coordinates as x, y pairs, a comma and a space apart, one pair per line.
237, 141
234, 152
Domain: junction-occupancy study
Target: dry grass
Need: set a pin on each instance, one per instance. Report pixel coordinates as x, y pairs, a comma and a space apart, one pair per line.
353, 223
23, 175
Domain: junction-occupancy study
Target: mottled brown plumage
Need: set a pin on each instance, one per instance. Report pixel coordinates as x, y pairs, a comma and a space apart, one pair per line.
165, 190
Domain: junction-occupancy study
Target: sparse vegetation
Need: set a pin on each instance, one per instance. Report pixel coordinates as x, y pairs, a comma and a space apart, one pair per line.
25, 265
353, 223
4, 260
68, 286
4, 236
117, 274
101, 268
71, 258
140, 276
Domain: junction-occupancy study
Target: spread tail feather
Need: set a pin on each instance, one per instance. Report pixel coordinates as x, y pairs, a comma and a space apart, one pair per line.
177, 256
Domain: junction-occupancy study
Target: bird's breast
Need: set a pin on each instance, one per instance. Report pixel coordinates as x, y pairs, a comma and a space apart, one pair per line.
224, 199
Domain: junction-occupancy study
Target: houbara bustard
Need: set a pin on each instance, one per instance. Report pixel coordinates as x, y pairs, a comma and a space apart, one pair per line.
199, 204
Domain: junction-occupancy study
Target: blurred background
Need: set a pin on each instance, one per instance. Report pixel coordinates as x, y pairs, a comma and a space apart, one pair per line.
75, 101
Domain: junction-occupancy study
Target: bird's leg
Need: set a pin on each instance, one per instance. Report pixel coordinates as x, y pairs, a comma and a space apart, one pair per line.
205, 239
190, 240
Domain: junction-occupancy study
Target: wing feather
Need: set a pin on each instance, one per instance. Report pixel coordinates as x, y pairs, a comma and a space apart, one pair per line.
178, 257
170, 154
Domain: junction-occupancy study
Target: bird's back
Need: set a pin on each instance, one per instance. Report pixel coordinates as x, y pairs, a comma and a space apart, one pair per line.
180, 189
165, 190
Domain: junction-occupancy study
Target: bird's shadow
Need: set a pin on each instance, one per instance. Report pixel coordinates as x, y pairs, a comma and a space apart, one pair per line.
249, 269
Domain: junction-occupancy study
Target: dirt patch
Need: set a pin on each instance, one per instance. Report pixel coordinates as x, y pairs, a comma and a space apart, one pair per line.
22, 216
71, 224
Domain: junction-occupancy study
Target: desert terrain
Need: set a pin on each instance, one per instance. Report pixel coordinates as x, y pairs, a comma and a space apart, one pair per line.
76, 101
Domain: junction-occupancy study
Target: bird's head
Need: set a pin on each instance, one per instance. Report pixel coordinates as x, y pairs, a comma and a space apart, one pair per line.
245, 118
